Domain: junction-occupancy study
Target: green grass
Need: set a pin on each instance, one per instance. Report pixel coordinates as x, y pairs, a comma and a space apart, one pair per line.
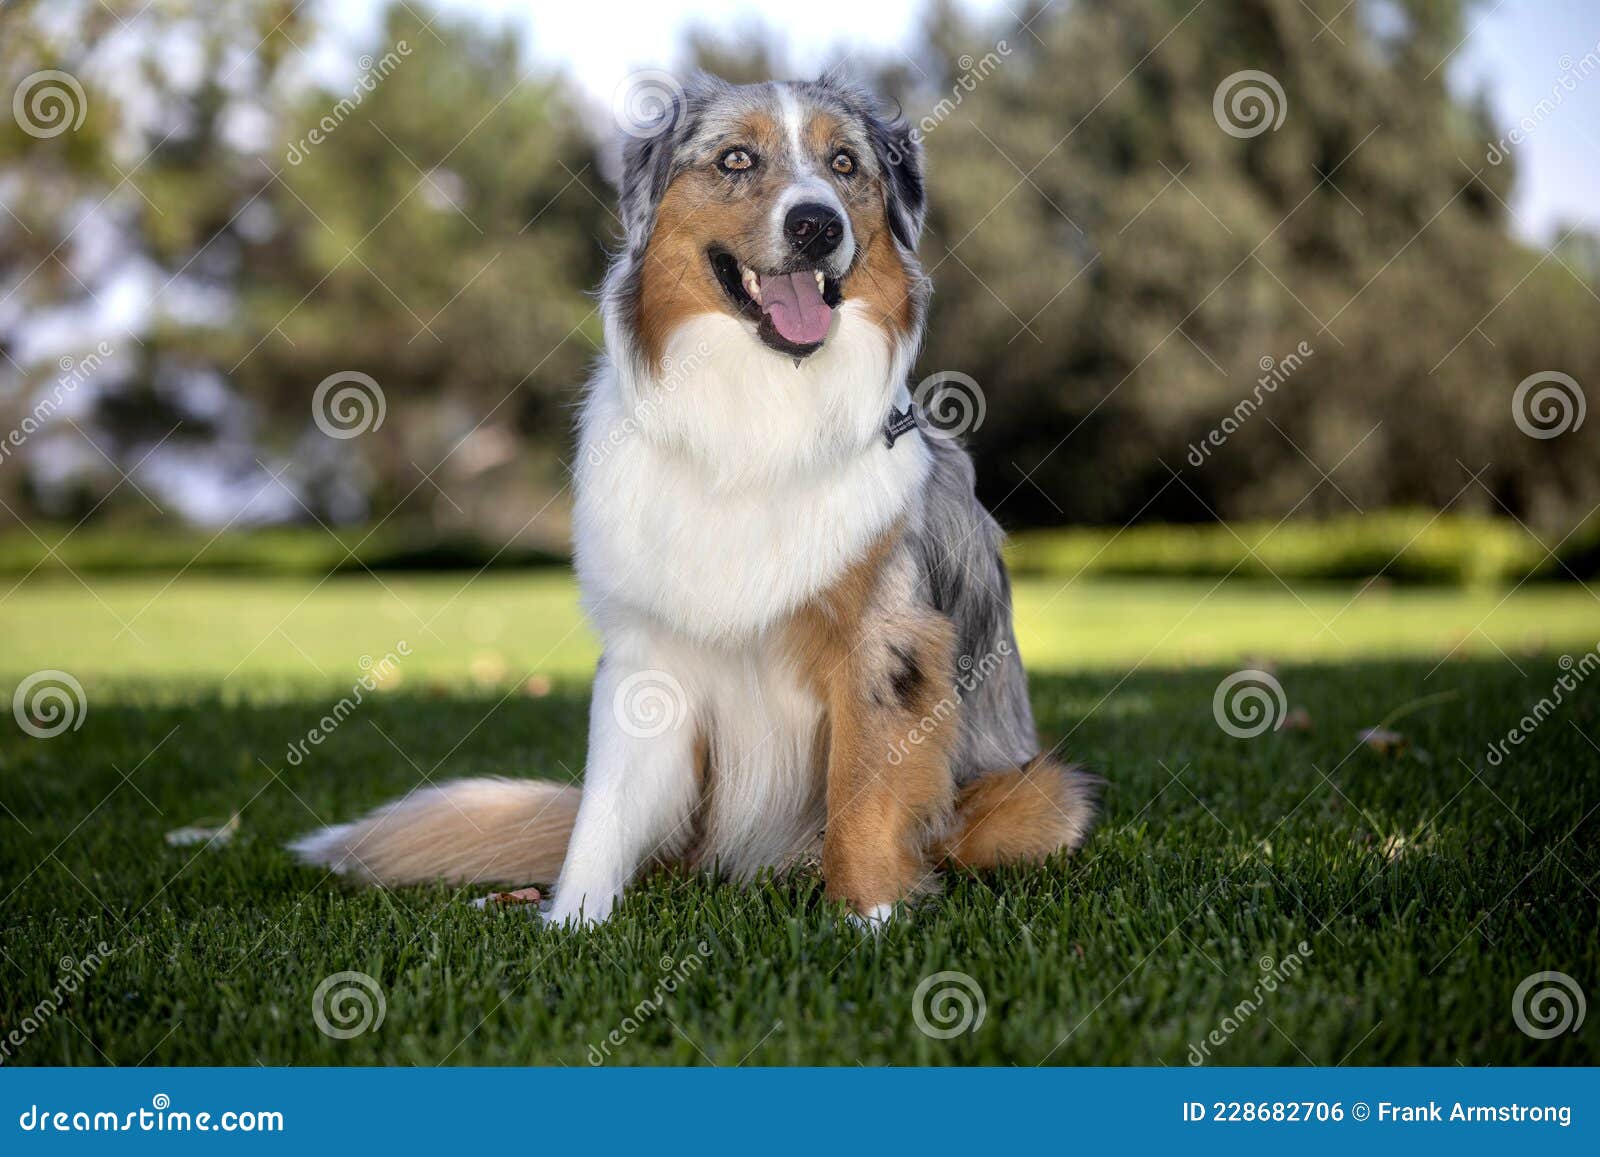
1427, 885
235, 633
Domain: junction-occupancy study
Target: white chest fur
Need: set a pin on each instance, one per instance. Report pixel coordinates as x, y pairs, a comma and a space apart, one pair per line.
718, 498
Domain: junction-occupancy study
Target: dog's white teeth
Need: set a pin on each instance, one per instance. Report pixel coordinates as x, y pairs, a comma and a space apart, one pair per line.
818, 272
752, 284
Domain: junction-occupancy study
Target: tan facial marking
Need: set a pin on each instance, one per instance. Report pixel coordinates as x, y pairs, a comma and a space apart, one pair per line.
702, 207
705, 208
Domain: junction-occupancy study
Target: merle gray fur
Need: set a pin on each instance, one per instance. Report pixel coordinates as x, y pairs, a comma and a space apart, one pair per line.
957, 545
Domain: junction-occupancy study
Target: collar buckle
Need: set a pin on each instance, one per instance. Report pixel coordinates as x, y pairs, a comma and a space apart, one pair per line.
898, 423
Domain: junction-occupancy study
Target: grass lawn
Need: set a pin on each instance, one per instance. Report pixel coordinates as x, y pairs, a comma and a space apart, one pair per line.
1425, 885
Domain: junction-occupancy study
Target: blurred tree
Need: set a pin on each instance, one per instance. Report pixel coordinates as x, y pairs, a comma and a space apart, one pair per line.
1116, 269
124, 178
1120, 255
451, 225
433, 225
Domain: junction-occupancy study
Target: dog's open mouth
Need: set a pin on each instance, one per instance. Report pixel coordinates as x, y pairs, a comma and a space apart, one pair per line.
793, 309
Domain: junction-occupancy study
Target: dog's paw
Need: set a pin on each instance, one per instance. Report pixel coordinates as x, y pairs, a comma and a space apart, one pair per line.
573, 917
874, 919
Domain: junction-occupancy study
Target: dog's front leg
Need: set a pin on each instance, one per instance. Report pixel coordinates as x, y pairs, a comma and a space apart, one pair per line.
890, 784
640, 783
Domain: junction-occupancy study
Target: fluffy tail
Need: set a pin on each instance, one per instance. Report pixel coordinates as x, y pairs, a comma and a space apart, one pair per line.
468, 831
1025, 814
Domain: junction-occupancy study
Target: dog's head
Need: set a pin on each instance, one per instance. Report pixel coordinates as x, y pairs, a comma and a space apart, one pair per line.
776, 204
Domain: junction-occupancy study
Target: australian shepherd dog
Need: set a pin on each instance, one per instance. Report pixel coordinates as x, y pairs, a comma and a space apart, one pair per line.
808, 655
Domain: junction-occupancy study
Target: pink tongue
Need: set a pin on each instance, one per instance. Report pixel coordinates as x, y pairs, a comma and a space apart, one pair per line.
795, 305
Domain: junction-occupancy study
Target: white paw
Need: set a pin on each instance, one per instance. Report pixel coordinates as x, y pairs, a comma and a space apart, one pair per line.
875, 919
557, 915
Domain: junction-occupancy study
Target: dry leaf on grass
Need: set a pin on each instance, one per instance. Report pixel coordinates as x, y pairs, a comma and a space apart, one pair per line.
1298, 719
1386, 742
213, 832
509, 899
1383, 741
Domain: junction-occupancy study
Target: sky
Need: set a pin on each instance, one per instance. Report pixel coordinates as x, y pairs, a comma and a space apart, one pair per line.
1517, 51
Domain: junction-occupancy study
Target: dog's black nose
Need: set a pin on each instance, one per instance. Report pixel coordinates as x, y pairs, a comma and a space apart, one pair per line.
815, 230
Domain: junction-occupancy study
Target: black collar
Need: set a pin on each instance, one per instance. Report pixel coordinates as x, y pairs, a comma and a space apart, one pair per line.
898, 423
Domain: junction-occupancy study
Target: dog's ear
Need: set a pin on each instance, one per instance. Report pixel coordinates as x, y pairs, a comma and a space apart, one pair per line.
660, 114
898, 149
900, 153
646, 168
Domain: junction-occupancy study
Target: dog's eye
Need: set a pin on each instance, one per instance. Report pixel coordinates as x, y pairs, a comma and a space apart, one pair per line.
737, 161
843, 164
